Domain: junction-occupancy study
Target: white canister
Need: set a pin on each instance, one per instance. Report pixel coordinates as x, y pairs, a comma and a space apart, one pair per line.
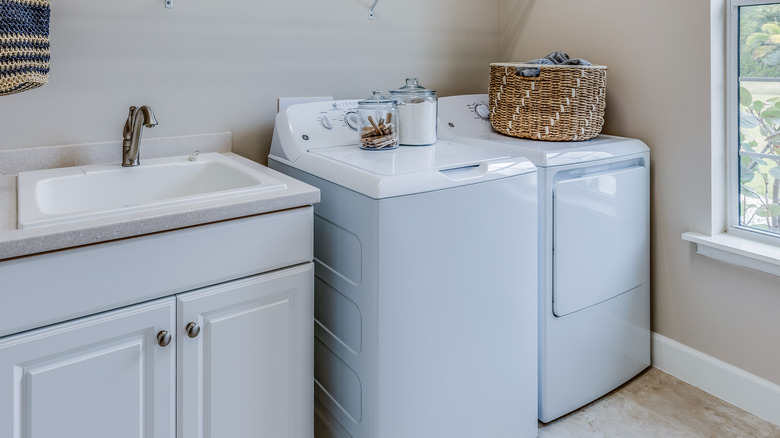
416, 114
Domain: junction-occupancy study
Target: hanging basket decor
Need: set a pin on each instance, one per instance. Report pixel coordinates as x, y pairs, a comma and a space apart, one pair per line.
24, 44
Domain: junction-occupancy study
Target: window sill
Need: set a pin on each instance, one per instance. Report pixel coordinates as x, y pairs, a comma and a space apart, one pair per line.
737, 251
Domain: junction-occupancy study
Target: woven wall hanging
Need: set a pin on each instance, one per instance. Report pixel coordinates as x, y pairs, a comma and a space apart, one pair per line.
24, 44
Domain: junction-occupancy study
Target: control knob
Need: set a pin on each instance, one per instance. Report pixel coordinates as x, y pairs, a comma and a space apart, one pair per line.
482, 111
350, 118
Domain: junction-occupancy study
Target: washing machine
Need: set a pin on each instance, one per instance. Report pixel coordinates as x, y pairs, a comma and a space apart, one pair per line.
594, 284
425, 289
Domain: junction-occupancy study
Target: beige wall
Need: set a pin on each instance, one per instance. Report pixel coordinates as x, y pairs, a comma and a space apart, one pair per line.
659, 90
210, 66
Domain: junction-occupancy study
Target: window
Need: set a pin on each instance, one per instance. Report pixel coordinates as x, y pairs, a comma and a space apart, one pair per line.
754, 116
752, 237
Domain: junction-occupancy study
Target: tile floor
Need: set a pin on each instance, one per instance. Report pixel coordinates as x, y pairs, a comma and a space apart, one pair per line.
655, 404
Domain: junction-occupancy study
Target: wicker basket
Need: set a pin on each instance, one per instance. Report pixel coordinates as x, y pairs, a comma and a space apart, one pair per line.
563, 103
24, 44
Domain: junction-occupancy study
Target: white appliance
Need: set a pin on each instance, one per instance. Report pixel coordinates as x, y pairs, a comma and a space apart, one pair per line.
594, 291
425, 290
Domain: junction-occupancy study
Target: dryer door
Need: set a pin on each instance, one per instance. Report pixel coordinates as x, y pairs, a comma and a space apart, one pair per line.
600, 237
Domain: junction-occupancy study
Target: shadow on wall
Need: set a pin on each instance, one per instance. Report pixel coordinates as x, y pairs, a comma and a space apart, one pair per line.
514, 16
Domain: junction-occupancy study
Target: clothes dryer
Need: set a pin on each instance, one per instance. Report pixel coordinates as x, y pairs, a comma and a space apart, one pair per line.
425, 289
594, 286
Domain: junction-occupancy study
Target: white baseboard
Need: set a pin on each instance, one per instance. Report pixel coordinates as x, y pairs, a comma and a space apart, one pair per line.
746, 391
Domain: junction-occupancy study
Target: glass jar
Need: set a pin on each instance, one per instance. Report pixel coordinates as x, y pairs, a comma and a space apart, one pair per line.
377, 117
416, 113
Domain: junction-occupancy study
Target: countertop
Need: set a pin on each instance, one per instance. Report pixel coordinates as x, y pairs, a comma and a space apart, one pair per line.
16, 242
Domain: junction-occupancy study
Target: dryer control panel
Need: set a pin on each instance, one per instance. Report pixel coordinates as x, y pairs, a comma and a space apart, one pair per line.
466, 119
464, 115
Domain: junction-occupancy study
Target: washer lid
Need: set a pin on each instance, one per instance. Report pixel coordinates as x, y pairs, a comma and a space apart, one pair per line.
409, 159
411, 169
320, 138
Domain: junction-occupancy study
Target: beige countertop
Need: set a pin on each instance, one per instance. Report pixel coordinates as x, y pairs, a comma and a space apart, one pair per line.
16, 242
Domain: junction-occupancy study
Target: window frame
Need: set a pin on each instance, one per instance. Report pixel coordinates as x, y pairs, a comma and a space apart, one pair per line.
733, 225
722, 242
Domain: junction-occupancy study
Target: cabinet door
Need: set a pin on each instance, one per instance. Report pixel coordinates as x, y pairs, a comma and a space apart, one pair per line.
96, 377
248, 371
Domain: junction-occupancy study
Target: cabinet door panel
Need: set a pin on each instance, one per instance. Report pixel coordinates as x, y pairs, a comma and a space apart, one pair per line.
249, 372
95, 377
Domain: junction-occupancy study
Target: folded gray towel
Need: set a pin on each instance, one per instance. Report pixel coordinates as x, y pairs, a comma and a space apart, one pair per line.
554, 58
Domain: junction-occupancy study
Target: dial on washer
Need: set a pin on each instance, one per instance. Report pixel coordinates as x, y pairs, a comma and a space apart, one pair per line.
351, 120
482, 111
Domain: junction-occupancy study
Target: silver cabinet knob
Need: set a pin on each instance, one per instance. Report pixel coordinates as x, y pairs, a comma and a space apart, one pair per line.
163, 338
192, 330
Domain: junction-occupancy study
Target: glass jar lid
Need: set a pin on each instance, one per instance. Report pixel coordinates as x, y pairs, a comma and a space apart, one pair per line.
412, 87
377, 98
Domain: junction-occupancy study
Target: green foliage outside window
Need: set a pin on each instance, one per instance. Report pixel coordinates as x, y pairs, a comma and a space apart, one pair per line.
759, 41
759, 117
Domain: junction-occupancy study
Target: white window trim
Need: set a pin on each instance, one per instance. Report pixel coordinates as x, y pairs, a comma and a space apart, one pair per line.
732, 111
724, 242
737, 250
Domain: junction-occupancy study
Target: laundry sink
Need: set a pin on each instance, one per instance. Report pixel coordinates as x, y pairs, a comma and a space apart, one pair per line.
55, 196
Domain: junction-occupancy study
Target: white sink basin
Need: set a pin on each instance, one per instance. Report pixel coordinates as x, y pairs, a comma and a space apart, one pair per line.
54, 196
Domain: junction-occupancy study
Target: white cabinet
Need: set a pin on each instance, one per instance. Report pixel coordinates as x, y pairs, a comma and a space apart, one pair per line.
246, 358
242, 369
100, 376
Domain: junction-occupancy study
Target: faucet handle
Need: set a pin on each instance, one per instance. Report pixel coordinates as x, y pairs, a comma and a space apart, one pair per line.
128, 129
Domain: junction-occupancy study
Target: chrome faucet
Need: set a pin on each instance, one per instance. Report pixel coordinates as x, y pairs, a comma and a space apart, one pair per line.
132, 133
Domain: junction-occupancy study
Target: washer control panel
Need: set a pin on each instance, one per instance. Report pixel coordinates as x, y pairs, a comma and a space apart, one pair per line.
348, 119
313, 125
330, 123
338, 113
